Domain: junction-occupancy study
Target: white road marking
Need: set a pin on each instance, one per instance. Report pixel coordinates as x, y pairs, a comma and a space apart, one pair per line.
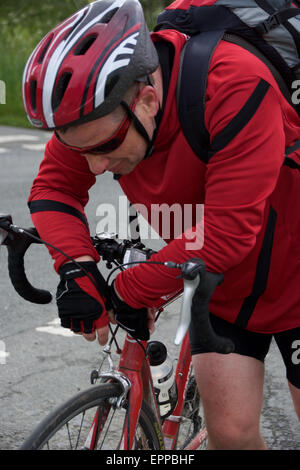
36, 147
3, 353
54, 328
2, 150
3, 356
4, 139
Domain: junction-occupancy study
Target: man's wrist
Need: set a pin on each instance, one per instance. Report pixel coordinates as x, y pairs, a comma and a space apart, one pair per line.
117, 293
82, 258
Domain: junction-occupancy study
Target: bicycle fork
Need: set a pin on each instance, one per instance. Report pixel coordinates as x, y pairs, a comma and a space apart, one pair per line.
134, 375
137, 369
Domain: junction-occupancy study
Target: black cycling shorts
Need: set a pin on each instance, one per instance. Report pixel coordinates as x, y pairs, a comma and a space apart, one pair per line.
249, 343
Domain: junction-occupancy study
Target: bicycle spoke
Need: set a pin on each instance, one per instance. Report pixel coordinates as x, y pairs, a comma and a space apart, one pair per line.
83, 415
68, 429
107, 429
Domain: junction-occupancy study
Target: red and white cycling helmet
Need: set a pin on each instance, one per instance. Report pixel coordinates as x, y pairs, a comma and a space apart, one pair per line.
82, 68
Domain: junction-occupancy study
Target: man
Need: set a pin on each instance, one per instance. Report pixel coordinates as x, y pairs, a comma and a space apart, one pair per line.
109, 92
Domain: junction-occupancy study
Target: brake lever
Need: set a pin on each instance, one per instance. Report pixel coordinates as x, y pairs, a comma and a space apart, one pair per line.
192, 272
199, 286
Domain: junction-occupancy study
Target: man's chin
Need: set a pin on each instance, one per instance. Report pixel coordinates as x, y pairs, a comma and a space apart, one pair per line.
122, 172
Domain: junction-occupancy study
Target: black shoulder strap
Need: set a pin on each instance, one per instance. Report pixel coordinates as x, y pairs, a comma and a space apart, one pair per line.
191, 89
251, 48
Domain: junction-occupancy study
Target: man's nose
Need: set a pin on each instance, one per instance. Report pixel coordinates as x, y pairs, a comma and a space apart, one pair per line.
97, 163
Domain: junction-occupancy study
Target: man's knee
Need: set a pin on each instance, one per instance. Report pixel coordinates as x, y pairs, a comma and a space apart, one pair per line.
231, 389
234, 433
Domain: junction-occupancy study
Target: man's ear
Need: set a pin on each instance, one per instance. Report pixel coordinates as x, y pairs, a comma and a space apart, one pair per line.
148, 101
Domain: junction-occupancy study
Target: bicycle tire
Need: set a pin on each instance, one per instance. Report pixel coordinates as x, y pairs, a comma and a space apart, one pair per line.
50, 432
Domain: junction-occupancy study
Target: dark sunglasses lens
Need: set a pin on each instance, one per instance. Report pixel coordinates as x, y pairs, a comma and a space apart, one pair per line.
110, 146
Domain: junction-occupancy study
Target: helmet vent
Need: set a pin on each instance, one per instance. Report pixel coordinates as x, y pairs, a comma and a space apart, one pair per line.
60, 90
84, 46
110, 84
43, 53
106, 18
33, 86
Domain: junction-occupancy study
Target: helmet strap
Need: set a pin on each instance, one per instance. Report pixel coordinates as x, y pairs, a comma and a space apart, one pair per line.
141, 129
150, 147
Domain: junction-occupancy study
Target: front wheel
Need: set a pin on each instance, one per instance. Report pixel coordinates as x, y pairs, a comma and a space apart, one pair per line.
91, 421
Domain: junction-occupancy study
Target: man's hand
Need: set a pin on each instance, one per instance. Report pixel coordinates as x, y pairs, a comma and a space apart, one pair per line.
151, 312
100, 332
80, 300
137, 322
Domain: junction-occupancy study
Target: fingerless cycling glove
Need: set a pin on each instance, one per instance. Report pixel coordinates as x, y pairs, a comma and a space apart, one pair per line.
79, 299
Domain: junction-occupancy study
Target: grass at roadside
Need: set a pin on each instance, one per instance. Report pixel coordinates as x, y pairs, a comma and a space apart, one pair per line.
12, 62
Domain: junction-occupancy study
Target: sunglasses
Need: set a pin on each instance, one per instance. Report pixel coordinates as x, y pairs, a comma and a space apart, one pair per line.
113, 142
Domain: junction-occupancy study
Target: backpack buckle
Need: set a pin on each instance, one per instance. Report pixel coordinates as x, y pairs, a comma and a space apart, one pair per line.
270, 23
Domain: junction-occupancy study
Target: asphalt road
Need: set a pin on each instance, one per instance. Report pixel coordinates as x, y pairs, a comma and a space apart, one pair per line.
40, 366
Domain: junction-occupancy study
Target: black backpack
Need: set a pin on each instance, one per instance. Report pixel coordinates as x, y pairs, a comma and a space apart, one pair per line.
268, 29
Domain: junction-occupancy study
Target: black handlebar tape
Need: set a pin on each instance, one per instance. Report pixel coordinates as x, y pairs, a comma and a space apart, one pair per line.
17, 248
200, 315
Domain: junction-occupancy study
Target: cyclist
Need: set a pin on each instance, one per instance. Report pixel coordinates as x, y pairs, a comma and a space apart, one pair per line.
108, 90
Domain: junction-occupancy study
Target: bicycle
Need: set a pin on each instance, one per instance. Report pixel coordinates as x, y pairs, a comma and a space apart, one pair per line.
122, 412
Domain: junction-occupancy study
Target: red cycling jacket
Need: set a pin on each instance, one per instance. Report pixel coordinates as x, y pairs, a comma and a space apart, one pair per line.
251, 201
